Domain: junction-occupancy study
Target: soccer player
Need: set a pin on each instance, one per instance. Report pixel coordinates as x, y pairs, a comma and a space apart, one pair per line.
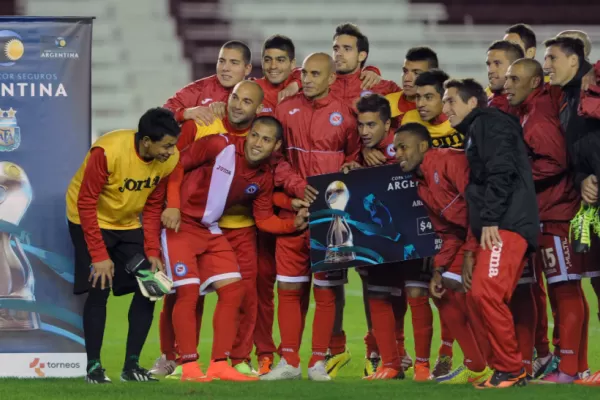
221, 171
558, 203
309, 115
442, 176
122, 176
503, 215
500, 55
524, 36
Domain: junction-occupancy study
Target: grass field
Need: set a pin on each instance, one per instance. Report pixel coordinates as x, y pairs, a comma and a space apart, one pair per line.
347, 386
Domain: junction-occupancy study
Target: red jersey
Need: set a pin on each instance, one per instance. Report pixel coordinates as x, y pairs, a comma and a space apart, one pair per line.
386, 147
217, 177
500, 101
272, 91
445, 174
319, 137
347, 88
557, 199
202, 92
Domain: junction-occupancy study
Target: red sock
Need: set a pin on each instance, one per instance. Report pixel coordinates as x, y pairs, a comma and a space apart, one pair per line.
199, 312
384, 327
165, 328
304, 304
522, 306
226, 318
400, 306
572, 314
453, 311
290, 323
583, 344
184, 321
265, 284
337, 345
447, 340
322, 324
242, 345
370, 341
422, 319
542, 344
556, 319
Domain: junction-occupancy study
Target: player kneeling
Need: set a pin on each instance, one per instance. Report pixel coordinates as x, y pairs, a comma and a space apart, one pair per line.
442, 175
220, 171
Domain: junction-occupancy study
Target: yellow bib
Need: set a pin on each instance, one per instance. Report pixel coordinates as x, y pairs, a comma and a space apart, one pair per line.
442, 135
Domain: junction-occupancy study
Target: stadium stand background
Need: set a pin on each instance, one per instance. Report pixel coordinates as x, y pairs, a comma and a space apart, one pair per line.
145, 50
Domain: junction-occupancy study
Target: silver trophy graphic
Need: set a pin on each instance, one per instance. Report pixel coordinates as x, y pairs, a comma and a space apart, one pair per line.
339, 235
16, 275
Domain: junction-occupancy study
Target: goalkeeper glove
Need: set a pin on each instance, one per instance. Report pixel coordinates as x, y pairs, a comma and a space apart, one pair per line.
153, 286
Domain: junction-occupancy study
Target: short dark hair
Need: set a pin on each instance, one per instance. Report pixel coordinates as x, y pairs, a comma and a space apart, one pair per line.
533, 66
156, 123
434, 77
350, 29
272, 122
468, 88
242, 47
375, 103
423, 53
513, 51
280, 42
417, 129
568, 45
526, 34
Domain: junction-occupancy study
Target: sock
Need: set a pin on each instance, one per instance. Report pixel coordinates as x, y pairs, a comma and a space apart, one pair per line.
572, 314
242, 345
322, 324
184, 318
447, 340
199, 312
304, 304
165, 328
583, 344
400, 306
542, 344
422, 319
371, 342
337, 345
141, 314
265, 317
522, 306
291, 320
226, 319
384, 327
94, 322
453, 312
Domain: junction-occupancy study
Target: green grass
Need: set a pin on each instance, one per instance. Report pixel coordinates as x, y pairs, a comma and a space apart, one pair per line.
348, 385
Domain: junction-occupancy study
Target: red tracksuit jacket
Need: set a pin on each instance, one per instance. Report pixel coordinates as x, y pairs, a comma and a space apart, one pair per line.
557, 199
500, 101
198, 93
272, 91
347, 88
319, 137
445, 174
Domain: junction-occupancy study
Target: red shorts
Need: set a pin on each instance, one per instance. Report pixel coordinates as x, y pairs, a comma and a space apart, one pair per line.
454, 272
385, 278
243, 242
591, 259
198, 257
556, 258
292, 257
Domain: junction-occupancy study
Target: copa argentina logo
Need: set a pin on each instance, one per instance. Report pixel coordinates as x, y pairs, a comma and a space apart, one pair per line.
12, 47
132, 185
401, 182
56, 47
10, 133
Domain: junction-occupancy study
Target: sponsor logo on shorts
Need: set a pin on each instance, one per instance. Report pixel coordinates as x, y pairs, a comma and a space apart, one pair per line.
495, 261
336, 119
180, 269
251, 189
566, 253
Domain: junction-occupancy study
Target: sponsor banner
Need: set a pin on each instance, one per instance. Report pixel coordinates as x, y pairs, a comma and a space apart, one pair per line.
43, 365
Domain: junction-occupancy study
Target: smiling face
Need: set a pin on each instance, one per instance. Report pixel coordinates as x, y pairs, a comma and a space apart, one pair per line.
231, 68
260, 143
277, 66
410, 150
560, 68
429, 103
497, 64
455, 108
244, 103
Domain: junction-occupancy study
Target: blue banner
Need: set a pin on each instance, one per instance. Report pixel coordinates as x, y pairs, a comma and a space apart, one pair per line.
368, 217
45, 130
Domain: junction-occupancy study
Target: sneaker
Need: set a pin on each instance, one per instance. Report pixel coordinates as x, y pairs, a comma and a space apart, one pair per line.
371, 364
554, 378
283, 371
462, 375
407, 361
318, 372
246, 369
265, 364
163, 367
590, 380
422, 373
540, 364
501, 380
223, 371
137, 374
176, 374
191, 372
443, 366
333, 364
385, 373
96, 375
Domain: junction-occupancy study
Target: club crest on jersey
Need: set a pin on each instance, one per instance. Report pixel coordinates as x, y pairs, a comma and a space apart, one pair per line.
180, 269
336, 119
391, 151
251, 189
365, 92
436, 177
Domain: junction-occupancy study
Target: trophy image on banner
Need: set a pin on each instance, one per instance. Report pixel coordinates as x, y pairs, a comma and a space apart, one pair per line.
339, 235
16, 275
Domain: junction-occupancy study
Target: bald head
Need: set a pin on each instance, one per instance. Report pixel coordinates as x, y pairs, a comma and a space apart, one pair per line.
245, 101
318, 72
251, 88
581, 35
531, 68
522, 78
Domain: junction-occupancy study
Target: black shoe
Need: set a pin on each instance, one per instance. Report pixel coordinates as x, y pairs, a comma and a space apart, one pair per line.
504, 379
137, 374
96, 375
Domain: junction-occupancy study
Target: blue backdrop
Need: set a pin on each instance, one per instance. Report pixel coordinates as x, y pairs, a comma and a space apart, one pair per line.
45, 132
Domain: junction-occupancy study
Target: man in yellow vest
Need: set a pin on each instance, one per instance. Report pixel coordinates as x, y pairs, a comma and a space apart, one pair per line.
123, 175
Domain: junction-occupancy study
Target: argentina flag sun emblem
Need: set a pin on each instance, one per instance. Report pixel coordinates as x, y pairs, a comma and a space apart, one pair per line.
10, 133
